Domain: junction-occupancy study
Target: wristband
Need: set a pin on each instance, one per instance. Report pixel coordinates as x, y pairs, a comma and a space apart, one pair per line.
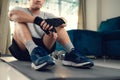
38, 20
55, 22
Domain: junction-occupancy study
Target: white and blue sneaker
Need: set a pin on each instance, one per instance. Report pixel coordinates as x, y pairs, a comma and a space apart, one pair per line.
41, 60
75, 59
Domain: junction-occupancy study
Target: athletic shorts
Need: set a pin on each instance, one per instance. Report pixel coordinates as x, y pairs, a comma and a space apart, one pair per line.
23, 55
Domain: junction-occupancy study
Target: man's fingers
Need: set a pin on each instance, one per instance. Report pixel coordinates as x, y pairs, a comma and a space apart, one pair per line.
50, 28
42, 23
64, 19
46, 27
63, 25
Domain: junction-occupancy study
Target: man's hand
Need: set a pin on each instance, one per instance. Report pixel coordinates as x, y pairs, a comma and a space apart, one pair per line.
48, 25
63, 25
53, 35
20, 16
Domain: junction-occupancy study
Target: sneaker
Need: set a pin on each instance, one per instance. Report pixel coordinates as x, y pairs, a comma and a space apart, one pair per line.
40, 59
75, 59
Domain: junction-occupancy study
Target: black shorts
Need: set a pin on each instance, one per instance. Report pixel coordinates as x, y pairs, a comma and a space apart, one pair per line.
24, 55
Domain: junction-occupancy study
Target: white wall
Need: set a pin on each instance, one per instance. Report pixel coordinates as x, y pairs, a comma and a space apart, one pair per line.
99, 10
91, 14
110, 8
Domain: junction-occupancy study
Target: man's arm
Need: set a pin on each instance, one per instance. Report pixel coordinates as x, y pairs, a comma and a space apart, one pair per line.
20, 16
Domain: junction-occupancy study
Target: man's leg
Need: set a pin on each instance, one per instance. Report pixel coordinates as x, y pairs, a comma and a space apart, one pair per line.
49, 40
64, 39
22, 35
38, 55
73, 57
61, 36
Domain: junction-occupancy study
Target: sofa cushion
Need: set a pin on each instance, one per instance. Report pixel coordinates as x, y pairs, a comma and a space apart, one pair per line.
106, 26
110, 25
114, 21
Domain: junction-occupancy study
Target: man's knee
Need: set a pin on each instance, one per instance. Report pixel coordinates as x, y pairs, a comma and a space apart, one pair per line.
60, 30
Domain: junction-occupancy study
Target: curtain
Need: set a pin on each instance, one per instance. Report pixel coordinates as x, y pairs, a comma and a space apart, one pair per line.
4, 27
82, 14
0, 6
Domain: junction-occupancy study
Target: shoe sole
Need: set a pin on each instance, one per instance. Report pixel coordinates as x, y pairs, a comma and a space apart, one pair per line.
80, 65
43, 66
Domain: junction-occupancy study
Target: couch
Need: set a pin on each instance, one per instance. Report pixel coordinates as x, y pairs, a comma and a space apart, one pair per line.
105, 42
88, 42
111, 37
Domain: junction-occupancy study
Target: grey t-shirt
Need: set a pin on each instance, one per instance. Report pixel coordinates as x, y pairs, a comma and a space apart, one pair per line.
35, 30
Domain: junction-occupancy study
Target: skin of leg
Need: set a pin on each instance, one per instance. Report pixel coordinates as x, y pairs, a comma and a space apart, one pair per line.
62, 37
21, 35
49, 40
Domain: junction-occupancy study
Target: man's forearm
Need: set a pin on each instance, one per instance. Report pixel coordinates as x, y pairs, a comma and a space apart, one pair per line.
17, 18
20, 16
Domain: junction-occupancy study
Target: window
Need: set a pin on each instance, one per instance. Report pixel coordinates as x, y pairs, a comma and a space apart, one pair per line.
63, 8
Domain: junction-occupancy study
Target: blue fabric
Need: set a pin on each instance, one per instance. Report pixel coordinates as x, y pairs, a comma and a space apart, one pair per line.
112, 44
113, 48
104, 42
107, 27
88, 42
58, 46
111, 36
114, 21
112, 24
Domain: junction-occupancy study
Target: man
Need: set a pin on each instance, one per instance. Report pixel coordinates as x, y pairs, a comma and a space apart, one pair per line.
35, 35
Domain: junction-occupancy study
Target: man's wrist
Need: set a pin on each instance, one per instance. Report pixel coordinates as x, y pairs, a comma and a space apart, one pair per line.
37, 20
32, 19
